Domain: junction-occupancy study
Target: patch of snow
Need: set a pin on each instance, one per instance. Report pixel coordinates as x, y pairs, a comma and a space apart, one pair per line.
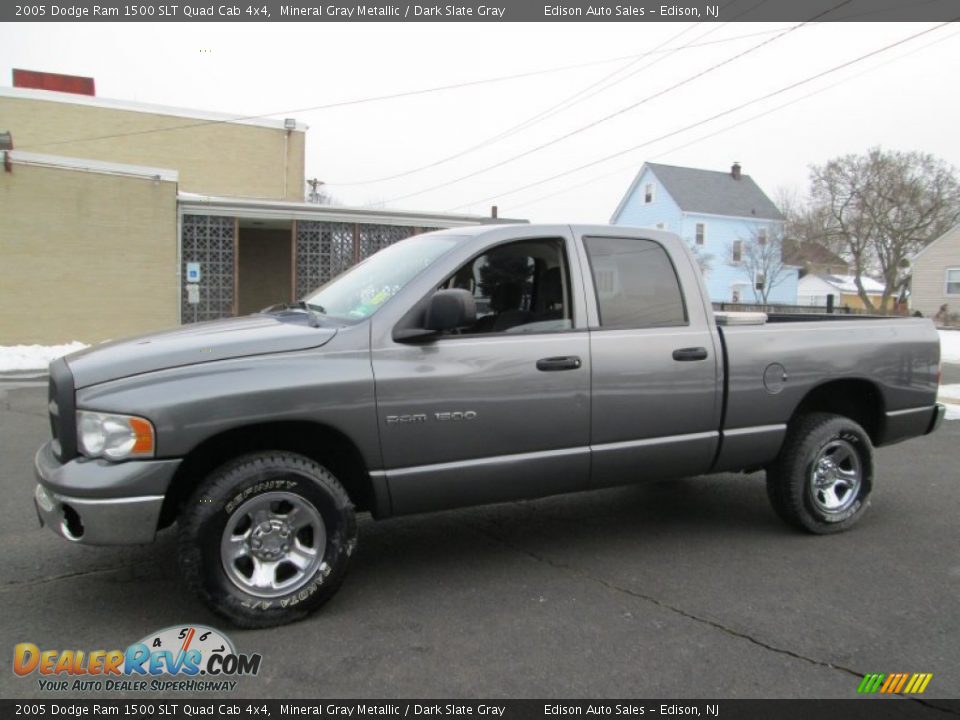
949, 395
950, 346
34, 357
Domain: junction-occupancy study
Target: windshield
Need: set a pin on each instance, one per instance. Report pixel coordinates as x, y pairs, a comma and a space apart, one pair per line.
360, 291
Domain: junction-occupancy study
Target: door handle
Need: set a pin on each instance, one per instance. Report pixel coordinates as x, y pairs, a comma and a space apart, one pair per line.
552, 364
688, 354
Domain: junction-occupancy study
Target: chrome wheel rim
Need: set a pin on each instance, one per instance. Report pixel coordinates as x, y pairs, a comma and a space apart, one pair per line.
273, 544
836, 477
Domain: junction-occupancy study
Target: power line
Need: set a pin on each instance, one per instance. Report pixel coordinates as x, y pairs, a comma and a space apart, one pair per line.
617, 113
524, 123
782, 90
732, 126
376, 98
575, 99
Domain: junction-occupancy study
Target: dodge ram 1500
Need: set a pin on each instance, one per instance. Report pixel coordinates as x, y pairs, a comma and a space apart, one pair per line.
456, 368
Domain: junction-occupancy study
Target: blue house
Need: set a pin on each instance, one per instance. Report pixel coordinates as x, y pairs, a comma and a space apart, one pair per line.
733, 227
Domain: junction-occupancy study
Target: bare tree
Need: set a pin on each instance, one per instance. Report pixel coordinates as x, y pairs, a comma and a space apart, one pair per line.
880, 208
761, 260
704, 259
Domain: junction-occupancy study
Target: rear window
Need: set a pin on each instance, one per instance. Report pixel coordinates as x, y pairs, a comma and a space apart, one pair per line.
635, 282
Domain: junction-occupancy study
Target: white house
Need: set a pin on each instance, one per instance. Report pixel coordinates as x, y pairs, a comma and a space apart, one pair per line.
814, 290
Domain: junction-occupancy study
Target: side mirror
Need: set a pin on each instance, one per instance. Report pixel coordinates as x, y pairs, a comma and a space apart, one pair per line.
449, 310
445, 310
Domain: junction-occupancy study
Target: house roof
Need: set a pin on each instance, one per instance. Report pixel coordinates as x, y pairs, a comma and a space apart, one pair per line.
710, 191
798, 252
847, 283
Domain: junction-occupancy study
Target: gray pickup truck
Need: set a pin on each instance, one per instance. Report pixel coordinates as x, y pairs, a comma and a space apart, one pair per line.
456, 368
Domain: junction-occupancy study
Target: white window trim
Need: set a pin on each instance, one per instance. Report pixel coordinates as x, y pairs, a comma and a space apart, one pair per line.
704, 226
653, 193
946, 281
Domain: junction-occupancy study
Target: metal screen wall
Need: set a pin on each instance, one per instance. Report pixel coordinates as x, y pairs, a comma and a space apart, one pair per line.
208, 240
326, 249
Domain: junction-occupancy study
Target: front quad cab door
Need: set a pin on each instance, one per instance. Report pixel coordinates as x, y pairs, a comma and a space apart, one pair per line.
656, 375
498, 408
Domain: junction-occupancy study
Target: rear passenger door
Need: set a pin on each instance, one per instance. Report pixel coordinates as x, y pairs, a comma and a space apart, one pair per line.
656, 381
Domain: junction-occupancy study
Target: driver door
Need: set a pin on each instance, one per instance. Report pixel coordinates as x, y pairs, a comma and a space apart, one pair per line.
500, 410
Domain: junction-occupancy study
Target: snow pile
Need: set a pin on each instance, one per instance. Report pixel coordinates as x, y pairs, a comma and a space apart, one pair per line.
33, 357
950, 346
949, 395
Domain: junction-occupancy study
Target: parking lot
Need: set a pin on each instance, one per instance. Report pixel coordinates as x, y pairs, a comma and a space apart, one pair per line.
684, 589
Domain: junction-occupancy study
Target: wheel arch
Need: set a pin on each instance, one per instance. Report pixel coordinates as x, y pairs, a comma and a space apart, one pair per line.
855, 398
322, 443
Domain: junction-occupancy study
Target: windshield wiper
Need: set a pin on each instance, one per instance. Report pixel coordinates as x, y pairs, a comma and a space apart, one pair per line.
315, 308
314, 311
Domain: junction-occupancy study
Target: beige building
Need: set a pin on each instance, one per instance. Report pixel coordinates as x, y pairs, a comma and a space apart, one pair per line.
214, 153
122, 218
935, 276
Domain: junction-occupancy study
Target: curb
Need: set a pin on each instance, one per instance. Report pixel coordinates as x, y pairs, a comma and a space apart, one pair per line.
21, 375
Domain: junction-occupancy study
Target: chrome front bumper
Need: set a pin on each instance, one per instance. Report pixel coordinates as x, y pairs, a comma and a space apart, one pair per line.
85, 501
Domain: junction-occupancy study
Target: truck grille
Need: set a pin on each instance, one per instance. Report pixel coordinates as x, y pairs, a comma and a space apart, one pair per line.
62, 408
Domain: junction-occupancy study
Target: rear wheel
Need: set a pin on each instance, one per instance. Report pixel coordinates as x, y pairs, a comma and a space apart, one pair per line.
822, 479
267, 538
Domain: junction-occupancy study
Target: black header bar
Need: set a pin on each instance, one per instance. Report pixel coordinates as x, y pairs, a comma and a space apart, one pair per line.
178, 708
481, 11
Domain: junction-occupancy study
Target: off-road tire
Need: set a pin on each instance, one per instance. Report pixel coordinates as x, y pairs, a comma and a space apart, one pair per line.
205, 517
791, 485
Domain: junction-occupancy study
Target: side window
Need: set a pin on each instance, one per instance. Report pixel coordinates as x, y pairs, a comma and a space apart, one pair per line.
636, 284
519, 287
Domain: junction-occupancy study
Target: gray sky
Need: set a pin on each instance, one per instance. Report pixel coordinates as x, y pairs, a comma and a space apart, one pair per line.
906, 100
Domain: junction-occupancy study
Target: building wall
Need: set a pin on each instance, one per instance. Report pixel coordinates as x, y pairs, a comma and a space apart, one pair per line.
638, 213
212, 158
723, 275
928, 284
85, 256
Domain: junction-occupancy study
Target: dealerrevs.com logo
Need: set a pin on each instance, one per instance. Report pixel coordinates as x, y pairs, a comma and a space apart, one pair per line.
188, 658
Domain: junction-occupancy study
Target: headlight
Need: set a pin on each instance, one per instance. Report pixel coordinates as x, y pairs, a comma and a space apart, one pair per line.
115, 437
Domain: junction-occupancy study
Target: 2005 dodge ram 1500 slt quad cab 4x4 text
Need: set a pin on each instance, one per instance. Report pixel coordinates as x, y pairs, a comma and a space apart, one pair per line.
456, 368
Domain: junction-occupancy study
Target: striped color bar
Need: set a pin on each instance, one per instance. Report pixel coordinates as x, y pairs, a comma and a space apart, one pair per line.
895, 683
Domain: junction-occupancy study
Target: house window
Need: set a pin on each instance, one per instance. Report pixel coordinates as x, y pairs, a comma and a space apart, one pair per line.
737, 251
953, 281
735, 295
759, 281
762, 236
648, 193
701, 233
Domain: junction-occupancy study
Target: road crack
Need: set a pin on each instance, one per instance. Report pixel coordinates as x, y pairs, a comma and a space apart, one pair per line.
486, 531
19, 585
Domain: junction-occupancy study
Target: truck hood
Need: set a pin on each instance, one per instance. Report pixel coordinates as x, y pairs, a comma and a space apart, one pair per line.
192, 344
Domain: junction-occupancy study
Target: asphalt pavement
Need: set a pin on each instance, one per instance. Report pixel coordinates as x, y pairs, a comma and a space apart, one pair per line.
686, 589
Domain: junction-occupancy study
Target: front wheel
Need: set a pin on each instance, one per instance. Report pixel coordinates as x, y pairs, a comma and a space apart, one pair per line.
267, 538
822, 479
